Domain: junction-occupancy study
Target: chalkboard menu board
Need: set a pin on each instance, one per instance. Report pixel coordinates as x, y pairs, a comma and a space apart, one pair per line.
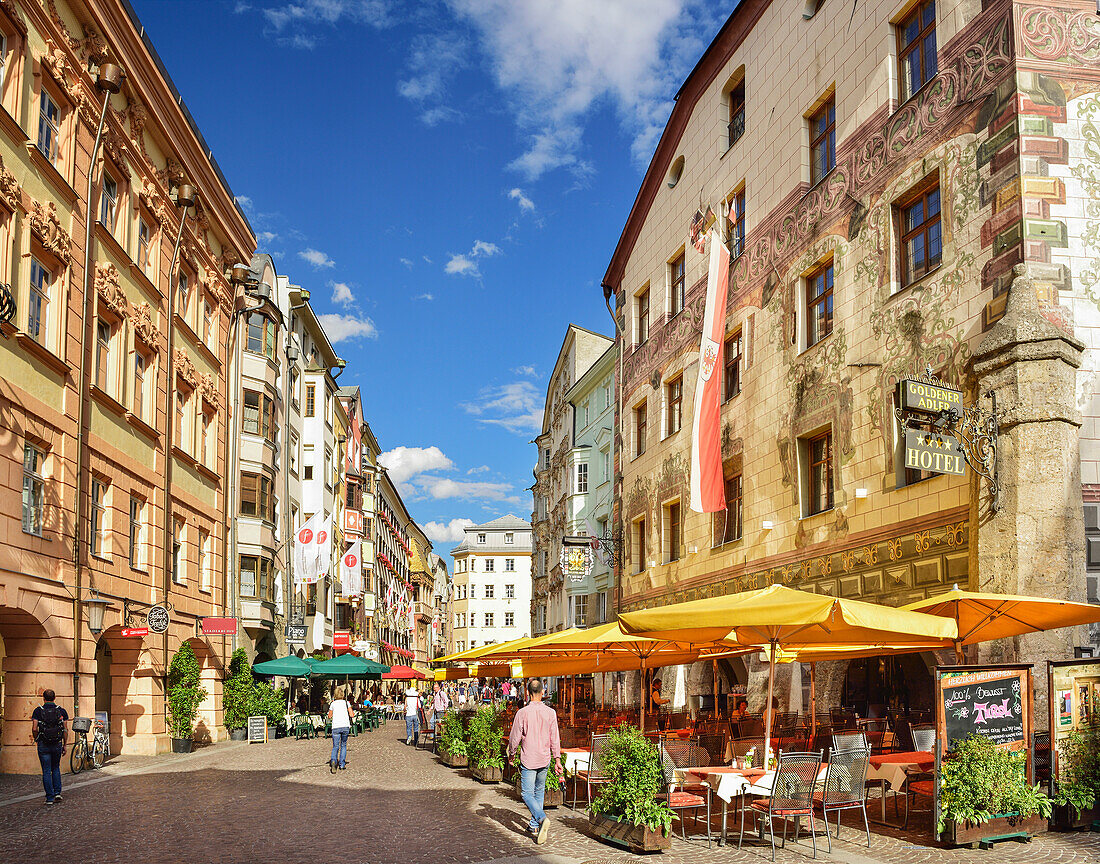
988, 703
257, 730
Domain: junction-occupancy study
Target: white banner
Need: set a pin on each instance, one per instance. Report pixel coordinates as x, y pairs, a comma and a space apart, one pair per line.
323, 539
351, 571
305, 551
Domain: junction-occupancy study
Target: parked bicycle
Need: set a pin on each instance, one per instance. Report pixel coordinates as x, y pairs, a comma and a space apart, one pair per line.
85, 753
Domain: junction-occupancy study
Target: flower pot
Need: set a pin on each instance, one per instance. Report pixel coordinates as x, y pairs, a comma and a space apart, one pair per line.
452, 761
238, 734
1065, 818
1001, 826
550, 797
181, 745
636, 838
488, 774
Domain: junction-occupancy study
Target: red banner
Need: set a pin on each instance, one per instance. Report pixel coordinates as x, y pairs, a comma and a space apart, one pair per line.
341, 639
219, 626
135, 631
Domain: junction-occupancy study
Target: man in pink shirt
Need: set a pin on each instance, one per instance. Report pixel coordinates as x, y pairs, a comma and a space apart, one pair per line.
535, 736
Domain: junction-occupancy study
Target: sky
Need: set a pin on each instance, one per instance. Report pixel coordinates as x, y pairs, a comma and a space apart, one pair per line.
448, 179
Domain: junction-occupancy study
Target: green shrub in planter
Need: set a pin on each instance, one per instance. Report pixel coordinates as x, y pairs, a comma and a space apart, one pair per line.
485, 740
1079, 769
452, 742
268, 701
980, 781
237, 691
185, 692
633, 765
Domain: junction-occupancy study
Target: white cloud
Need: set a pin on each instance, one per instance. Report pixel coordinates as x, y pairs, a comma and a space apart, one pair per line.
407, 263
440, 114
244, 201
299, 15
267, 236
631, 54
481, 469
447, 532
517, 407
341, 294
343, 328
483, 248
465, 263
526, 205
316, 259
428, 297
443, 487
404, 463
529, 371
433, 59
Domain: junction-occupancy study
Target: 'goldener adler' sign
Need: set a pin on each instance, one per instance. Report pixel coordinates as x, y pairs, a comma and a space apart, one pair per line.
928, 398
929, 451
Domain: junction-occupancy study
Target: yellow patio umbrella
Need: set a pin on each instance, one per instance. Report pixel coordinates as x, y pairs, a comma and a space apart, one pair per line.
777, 616
481, 651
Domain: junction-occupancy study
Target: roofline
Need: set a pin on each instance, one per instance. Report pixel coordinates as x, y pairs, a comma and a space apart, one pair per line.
569, 332
311, 318
593, 371
729, 38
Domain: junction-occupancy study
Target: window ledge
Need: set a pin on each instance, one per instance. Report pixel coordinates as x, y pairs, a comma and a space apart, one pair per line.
105, 236
51, 360
824, 512
11, 127
147, 282
208, 352
183, 456
140, 568
183, 324
52, 174
98, 556
806, 351
142, 427
208, 473
108, 401
820, 180
918, 284
915, 96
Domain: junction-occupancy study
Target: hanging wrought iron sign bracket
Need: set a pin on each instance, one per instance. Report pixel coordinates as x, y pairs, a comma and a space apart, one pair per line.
927, 405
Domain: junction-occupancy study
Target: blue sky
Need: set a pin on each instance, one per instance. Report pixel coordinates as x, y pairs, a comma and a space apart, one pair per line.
448, 178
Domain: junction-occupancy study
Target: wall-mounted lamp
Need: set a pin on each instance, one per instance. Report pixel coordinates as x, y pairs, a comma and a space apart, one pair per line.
767, 525
292, 352
652, 563
861, 493
95, 607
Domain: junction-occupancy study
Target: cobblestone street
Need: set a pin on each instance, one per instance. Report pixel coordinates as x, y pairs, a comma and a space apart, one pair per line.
278, 802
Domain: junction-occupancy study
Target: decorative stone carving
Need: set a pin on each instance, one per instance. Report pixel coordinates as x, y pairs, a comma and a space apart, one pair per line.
209, 388
9, 8
106, 285
171, 174
185, 368
138, 118
144, 325
114, 144
92, 48
10, 192
55, 16
47, 228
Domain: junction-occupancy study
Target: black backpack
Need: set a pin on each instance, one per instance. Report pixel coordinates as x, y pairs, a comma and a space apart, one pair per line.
51, 728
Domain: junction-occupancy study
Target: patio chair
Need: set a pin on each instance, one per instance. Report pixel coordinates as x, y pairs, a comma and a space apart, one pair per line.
751, 727
680, 796
1042, 759
594, 773
714, 744
303, 728
924, 737
741, 747
903, 735
844, 788
792, 796
849, 740
683, 752
918, 784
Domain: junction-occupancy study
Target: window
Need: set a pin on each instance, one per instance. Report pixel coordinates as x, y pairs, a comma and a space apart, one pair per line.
509, 591
328, 472
261, 336
294, 397
676, 285
737, 113
209, 326
509, 619
672, 531
509, 565
823, 141
259, 414
184, 422
579, 614
102, 353
97, 518
639, 429
509, 538
179, 565
34, 489
136, 547
488, 619
209, 444
639, 543
737, 222
546, 457
108, 202
917, 49
473, 623
205, 580
607, 394
144, 241
605, 465
730, 523
38, 305
490, 565
732, 356
311, 399
641, 316
674, 405
293, 448
480, 538
921, 243
249, 569
49, 125
489, 592
819, 304
820, 462
307, 472
256, 498
580, 484
601, 608
141, 383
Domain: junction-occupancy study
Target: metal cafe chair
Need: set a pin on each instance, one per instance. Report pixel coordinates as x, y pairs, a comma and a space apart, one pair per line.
924, 737
847, 740
792, 796
595, 773
742, 746
844, 788
680, 796
714, 743
919, 783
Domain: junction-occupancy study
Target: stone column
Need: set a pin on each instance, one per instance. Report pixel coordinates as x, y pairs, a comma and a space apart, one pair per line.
1035, 543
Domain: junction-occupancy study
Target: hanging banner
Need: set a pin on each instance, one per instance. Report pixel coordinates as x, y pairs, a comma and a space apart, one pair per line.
305, 551
324, 549
351, 571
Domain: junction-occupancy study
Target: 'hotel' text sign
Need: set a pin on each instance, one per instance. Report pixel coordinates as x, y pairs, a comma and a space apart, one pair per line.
929, 451
928, 398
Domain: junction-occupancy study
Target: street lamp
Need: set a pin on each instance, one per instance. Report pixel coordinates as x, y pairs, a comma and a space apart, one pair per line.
95, 607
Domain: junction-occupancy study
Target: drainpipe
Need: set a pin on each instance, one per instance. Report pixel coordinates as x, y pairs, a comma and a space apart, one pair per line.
292, 355
109, 82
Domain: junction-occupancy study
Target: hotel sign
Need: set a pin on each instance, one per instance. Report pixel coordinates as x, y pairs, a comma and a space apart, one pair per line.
931, 451
925, 398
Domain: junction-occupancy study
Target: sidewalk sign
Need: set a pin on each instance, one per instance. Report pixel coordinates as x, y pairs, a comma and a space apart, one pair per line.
257, 730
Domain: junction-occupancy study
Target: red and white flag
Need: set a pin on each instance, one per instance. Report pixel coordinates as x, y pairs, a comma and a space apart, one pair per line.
305, 551
351, 570
708, 494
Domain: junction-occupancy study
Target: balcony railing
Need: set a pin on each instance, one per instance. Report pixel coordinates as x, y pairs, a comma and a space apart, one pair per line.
736, 127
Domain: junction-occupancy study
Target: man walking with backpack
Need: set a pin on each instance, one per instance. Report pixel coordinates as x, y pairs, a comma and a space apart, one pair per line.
49, 732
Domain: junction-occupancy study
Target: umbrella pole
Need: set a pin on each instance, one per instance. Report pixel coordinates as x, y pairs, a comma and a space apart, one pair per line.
714, 669
958, 653
813, 704
641, 698
768, 708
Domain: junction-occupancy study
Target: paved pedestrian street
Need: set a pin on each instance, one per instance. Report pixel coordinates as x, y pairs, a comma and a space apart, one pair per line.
278, 802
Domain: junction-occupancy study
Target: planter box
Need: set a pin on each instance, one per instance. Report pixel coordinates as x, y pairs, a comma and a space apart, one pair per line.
636, 838
1065, 818
999, 827
550, 797
238, 734
452, 761
489, 774
182, 745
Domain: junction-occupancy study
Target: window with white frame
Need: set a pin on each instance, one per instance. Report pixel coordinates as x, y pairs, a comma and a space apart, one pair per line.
605, 465
205, 579
480, 538
102, 354
509, 565
581, 478
674, 405
38, 303
509, 592
509, 619
641, 316
144, 246
108, 202
509, 538
143, 380
34, 489
489, 591
489, 619
97, 518
179, 553
670, 532
137, 531
490, 565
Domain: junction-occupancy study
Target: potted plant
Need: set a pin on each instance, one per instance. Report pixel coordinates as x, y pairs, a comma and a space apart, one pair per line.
1078, 780
626, 811
452, 745
185, 695
984, 793
554, 793
485, 746
269, 702
237, 695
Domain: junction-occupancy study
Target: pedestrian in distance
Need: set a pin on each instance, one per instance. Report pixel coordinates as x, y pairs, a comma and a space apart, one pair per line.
339, 712
535, 735
412, 716
440, 703
50, 734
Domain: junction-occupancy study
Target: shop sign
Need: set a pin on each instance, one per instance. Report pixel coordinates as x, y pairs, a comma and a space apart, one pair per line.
158, 619
925, 398
341, 639
135, 631
219, 626
295, 633
931, 451
360, 646
576, 558
257, 730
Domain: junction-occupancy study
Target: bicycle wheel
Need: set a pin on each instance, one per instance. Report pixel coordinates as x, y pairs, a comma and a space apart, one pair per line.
99, 752
77, 756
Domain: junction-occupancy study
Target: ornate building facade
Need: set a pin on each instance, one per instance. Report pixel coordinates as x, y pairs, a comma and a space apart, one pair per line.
914, 188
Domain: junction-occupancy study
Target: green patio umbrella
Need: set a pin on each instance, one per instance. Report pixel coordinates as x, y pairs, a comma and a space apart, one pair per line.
287, 667
348, 666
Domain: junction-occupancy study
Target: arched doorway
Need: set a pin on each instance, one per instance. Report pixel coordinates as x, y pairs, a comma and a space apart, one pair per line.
129, 689
103, 660
30, 661
873, 684
208, 719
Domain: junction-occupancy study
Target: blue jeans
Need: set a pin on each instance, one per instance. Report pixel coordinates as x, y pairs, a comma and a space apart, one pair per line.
340, 746
532, 785
51, 770
412, 729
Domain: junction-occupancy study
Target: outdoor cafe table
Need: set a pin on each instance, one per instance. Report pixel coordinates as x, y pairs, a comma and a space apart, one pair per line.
890, 768
576, 758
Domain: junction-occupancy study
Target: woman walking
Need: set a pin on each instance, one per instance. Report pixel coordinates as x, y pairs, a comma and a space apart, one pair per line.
339, 712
